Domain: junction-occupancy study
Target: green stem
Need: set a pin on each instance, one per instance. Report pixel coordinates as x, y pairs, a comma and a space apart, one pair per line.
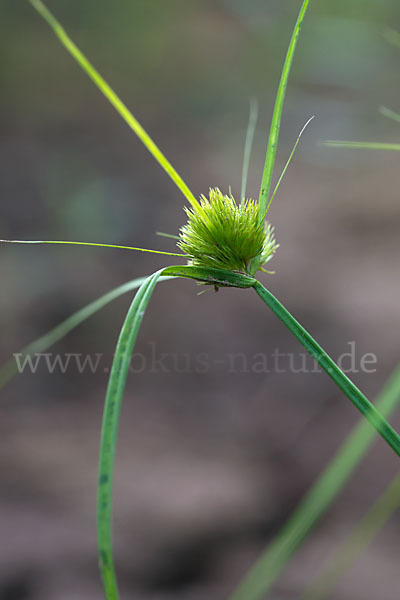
342, 381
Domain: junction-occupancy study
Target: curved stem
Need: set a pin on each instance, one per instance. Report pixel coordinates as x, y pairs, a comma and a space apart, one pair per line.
331, 368
114, 397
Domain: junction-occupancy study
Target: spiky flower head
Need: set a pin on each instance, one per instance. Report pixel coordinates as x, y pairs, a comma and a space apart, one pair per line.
225, 235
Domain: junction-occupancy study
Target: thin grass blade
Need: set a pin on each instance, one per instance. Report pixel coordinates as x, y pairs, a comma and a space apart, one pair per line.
260, 579
289, 160
89, 244
251, 127
9, 369
277, 115
209, 276
114, 100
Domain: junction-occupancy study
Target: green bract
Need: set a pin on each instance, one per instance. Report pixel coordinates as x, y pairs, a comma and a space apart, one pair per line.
224, 235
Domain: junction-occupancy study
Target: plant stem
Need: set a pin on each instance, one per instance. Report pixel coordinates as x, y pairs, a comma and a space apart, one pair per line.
330, 367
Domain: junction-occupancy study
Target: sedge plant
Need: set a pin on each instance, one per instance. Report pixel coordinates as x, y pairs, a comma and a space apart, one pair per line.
224, 243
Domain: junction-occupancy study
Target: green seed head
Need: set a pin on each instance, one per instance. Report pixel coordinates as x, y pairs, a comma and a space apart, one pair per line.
224, 235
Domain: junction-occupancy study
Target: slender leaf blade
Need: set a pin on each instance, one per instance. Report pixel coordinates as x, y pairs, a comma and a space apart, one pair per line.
114, 100
251, 127
9, 369
277, 115
210, 276
289, 160
90, 244
114, 396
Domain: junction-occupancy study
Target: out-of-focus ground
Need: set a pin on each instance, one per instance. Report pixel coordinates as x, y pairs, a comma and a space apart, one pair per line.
211, 461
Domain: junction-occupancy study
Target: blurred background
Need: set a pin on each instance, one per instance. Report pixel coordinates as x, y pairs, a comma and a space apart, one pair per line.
211, 461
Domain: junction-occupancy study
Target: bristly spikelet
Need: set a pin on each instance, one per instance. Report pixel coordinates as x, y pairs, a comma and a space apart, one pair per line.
224, 235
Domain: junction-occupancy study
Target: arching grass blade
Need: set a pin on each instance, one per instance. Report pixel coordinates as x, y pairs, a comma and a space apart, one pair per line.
114, 396
211, 276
